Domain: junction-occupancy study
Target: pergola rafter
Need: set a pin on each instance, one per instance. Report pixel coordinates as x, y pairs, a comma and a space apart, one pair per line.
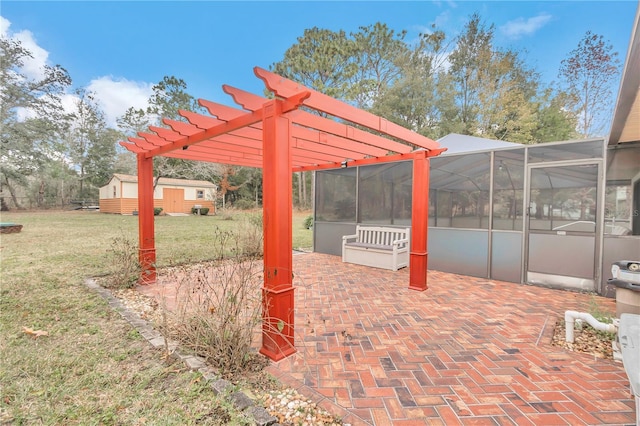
279, 137
340, 133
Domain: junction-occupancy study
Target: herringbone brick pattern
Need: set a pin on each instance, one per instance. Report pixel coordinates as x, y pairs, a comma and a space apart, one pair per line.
466, 351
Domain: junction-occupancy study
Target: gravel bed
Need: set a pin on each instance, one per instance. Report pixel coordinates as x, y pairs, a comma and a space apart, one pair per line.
587, 340
291, 408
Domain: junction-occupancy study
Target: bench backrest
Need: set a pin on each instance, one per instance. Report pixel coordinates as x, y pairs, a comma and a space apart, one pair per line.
380, 235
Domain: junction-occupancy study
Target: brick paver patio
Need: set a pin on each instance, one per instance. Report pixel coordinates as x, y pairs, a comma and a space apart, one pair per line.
466, 351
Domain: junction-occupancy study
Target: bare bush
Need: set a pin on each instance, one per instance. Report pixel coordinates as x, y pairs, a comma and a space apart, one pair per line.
124, 264
218, 304
250, 233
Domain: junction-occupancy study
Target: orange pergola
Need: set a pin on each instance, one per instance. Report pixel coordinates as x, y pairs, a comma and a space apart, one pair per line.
280, 137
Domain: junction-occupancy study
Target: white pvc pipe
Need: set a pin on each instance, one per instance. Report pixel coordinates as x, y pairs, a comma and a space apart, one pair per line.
571, 316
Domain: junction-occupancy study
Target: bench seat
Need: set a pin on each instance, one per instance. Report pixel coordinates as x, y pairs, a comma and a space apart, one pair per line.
378, 247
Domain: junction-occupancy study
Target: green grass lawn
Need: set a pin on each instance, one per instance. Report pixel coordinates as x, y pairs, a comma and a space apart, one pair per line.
92, 367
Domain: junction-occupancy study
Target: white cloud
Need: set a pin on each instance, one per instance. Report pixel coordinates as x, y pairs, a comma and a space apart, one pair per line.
24, 113
438, 24
442, 19
4, 26
523, 27
115, 96
33, 67
450, 3
69, 102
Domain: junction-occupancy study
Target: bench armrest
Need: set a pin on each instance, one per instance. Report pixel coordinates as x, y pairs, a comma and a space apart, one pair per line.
345, 238
400, 242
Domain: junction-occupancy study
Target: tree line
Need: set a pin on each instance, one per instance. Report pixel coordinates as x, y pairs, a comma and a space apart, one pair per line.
439, 85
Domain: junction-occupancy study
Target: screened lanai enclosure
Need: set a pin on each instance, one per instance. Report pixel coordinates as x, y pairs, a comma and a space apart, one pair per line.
555, 214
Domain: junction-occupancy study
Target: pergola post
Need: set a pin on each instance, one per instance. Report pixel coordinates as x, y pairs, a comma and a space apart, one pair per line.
418, 257
278, 295
147, 250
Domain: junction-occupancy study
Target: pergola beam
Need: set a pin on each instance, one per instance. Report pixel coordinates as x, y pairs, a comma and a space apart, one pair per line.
320, 102
326, 131
344, 131
328, 146
369, 143
367, 161
240, 160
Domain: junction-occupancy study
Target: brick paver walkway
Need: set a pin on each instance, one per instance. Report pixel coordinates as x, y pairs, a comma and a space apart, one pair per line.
466, 351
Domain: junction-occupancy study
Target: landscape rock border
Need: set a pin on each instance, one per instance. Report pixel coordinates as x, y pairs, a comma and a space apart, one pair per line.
237, 398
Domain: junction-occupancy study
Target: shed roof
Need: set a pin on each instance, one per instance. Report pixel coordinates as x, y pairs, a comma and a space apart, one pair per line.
167, 181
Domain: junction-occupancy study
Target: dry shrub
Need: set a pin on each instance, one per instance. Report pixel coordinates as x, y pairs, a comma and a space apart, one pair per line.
250, 233
124, 263
218, 304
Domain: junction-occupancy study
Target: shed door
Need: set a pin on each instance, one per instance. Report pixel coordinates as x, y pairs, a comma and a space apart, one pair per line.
173, 200
562, 225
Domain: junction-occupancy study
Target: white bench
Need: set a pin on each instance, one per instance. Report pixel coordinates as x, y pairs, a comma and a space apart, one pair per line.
377, 246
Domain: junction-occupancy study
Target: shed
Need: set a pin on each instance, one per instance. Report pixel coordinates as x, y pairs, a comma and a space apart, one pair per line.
120, 195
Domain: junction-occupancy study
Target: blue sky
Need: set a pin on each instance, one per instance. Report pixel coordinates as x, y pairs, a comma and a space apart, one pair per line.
120, 49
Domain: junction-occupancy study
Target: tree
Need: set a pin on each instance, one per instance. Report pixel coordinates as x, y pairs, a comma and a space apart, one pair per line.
322, 60
495, 90
412, 100
507, 97
31, 114
249, 191
226, 185
588, 75
102, 157
378, 53
168, 98
91, 145
470, 63
357, 69
554, 123
134, 121
55, 184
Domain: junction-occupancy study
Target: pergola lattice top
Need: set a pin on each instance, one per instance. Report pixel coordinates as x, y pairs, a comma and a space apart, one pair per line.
234, 136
